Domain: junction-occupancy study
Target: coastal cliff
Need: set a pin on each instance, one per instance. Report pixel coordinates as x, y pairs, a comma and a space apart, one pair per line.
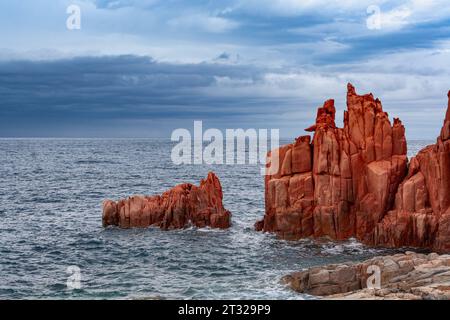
356, 181
179, 207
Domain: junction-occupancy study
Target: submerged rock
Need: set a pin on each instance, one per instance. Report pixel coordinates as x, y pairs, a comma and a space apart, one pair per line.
179, 207
355, 181
401, 276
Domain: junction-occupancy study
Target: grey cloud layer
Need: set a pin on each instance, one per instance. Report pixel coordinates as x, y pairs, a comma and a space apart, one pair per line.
137, 96
120, 91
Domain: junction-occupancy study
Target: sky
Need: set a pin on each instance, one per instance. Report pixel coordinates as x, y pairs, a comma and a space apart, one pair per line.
142, 68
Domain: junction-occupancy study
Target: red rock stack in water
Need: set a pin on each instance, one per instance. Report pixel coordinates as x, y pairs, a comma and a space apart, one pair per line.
355, 182
179, 207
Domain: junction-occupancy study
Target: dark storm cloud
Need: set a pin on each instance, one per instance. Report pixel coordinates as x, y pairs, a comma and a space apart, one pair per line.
47, 94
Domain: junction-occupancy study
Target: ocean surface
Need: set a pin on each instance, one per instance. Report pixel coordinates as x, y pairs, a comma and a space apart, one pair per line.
51, 192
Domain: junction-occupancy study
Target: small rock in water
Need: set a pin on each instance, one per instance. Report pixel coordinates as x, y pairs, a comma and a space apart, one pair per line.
179, 207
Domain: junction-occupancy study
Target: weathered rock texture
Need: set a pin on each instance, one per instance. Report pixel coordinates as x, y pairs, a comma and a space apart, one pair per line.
401, 276
181, 206
355, 181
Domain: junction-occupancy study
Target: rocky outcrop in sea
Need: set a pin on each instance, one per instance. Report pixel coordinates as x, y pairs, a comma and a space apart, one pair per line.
180, 207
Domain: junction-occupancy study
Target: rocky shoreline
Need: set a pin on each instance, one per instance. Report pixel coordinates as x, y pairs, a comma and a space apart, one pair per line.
408, 276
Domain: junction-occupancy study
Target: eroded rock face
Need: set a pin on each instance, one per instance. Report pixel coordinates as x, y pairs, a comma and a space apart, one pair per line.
401, 276
179, 207
355, 181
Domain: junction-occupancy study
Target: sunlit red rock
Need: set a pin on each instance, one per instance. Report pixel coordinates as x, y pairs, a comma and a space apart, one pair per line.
355, 181
179, 207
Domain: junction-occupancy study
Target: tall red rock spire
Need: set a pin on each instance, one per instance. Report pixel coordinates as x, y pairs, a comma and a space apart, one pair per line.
445, 132
352, 187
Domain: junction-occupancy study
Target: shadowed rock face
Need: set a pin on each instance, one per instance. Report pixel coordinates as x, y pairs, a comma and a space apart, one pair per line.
355, 181
179, 207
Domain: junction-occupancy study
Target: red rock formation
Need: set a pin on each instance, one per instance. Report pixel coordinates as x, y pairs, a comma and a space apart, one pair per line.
354, 181
421, 216
178, 207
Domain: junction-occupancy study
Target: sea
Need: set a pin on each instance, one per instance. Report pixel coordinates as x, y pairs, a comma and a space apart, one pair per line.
53, 245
